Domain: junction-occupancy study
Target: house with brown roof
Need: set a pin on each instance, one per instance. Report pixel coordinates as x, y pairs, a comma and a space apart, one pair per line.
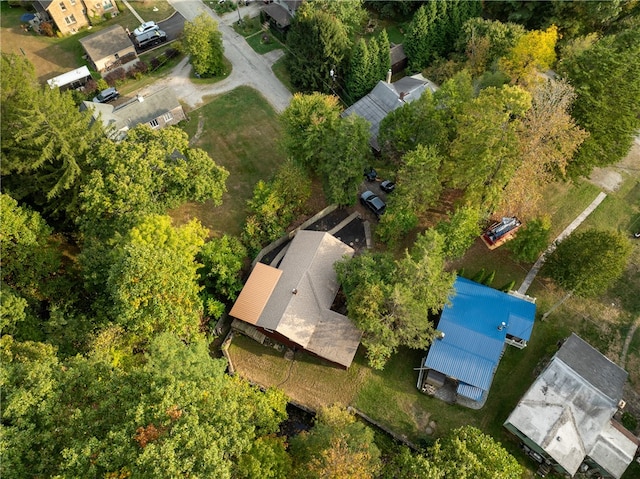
158, 110
291, 302
566, 419
71, 15
109, 48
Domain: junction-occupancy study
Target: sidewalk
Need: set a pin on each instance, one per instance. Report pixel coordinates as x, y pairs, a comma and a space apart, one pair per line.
531, 275
135, 14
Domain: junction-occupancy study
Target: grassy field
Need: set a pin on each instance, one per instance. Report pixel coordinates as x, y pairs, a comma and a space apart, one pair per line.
241, 133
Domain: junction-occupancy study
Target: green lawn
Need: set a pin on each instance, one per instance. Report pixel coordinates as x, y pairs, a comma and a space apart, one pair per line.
241, 133
256, 41
281, 72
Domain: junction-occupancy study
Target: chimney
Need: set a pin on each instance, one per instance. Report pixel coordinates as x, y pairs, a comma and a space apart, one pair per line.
389, 76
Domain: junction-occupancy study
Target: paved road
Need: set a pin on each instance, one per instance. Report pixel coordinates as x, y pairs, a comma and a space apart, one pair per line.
249, 68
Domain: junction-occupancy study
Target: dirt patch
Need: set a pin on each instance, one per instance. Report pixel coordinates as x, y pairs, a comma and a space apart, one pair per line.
611, 177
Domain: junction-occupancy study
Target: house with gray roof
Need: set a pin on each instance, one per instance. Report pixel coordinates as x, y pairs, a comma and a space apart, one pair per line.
385, 98
566, 419
157, 110
291, 303
109, 48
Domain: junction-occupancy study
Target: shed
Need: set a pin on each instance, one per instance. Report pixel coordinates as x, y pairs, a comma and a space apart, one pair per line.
292, 303
476, 325
566, 418
109, 48
70, 80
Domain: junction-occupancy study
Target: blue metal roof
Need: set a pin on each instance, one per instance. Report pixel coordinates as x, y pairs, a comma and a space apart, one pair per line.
473, 341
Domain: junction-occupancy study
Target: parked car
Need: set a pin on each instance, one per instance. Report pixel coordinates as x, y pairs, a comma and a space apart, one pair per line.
373, 202
151, 38
146, 27
387, 186
370, 174
105, 96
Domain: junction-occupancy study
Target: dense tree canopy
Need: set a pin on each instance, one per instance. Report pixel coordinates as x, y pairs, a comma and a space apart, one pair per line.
337, 447
606, 78
588, 262
316, 44
202, 41
391, 300
467, 453
46, 141
177, 415
153, 280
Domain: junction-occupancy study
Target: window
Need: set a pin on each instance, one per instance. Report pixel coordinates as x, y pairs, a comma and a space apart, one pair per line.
167, 116
106, 4
72, 2
70, 20
154, 123
62, 6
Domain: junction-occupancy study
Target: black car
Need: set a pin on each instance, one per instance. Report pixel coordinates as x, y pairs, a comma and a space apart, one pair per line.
387, 186
105, 96
373, 202
370, 174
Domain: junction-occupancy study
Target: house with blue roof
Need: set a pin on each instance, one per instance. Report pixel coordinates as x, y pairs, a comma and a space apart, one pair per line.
474, 329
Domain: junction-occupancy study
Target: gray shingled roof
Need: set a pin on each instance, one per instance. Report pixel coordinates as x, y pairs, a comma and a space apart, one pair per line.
106, 42
568, 410
135, 112
386, 97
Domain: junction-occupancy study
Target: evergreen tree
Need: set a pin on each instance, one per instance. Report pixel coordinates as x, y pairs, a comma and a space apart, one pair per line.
384, 62
357, 82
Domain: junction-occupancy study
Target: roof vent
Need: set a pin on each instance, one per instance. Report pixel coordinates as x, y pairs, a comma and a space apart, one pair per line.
294, 291
622, 404
441, 335
502, 326
140, 98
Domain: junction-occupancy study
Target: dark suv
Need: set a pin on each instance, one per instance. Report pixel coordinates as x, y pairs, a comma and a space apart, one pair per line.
373, 202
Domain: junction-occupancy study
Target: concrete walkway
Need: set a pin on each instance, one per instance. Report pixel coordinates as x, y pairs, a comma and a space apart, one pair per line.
135, 14
526, 284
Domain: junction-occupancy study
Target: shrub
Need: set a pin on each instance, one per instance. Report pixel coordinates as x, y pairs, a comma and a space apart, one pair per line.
115, 76
170, 53
46, 28
155, 63
531, 240
629, 421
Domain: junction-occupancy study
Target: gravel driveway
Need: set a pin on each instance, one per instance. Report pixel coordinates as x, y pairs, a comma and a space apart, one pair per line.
249, 68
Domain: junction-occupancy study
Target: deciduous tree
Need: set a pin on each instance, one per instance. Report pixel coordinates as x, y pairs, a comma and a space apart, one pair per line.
337, 447
533, 52
467, 453
532, 239
588, 262
460, 230
548, 139
153, 281
202, 41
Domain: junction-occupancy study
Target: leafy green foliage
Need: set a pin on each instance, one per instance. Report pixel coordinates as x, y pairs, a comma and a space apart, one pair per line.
152, 282
202, 41
406, 465
148, 172
338, 446
459, 232
485, 41
274, 205
391, 300
588, 262
420, 188
532, 239
177, 415
533, 52
606, 78
434, 28
467, 453
357, 83
222, 260
336, 149
46, 140
484, 153
317, 43
351, 13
